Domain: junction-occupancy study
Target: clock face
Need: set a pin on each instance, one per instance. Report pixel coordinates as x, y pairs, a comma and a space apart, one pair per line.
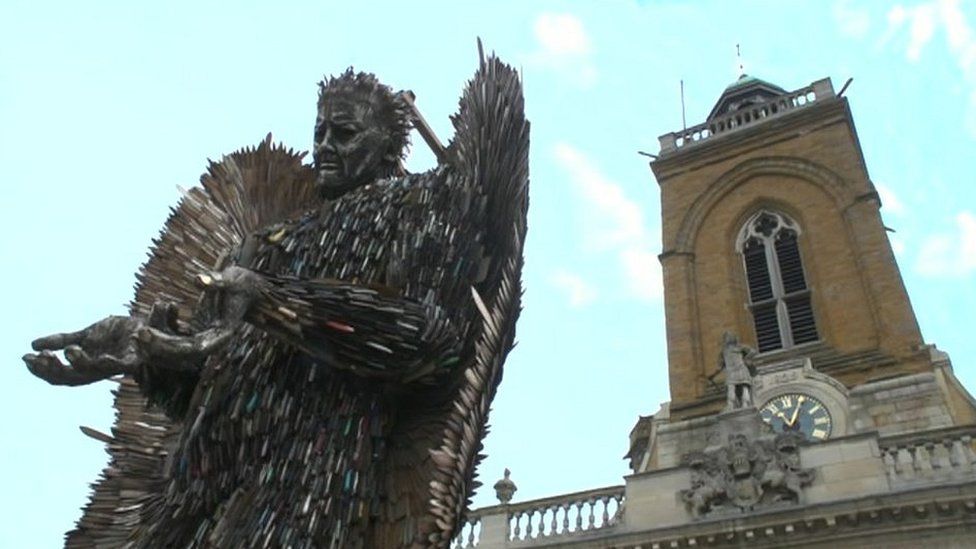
799, 413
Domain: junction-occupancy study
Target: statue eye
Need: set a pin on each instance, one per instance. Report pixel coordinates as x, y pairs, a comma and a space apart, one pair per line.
344, 133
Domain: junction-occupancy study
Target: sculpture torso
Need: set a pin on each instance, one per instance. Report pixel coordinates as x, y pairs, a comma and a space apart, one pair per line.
284, 448
736, 370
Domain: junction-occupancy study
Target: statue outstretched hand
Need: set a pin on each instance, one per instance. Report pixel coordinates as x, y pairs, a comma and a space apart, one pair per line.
118, 345
102, 350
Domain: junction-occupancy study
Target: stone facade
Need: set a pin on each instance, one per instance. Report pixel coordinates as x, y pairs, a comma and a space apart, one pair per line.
807, 164
862, 437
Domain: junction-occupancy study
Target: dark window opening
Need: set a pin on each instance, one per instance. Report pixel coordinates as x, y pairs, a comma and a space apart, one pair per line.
779, 297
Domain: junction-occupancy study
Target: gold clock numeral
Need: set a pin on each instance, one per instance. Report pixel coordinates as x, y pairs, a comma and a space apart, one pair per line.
819, 434
821, 420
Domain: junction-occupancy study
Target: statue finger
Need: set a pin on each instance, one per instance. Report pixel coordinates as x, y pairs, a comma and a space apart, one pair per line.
77, 356
49, 367
101, 366
154, 342
56, 342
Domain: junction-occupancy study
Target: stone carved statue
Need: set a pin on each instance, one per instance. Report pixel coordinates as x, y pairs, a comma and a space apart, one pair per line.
744, 474
325, 340
708, 484
784, 478
736, 359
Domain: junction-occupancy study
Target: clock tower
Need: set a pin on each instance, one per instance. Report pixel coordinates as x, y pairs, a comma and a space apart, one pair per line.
806, 409
772, 230
785, 310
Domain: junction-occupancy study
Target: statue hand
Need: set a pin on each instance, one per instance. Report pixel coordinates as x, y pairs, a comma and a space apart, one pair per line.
230, 293
228, 296
100, 351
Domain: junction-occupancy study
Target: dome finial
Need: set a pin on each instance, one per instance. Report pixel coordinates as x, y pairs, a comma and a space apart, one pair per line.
505, 488
738, 55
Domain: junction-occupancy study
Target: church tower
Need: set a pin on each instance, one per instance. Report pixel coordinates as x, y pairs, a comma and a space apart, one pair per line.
772, 231
806, 410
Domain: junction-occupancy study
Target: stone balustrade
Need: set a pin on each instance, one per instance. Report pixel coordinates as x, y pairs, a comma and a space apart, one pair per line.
470, 534
860, 478
931, 456
538, 521
747, 116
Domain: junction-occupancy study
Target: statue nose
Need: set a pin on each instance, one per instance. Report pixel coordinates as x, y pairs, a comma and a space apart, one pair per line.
328, 142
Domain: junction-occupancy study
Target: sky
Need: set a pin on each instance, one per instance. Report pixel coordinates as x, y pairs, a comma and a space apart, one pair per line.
107, 107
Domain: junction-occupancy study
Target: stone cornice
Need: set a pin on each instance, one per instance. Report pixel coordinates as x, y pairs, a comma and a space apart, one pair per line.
799, 122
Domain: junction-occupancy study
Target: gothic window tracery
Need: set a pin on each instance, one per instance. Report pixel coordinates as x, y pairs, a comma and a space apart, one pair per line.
779, 297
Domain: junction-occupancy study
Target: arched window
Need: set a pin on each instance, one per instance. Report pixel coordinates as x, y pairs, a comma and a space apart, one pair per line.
779, 297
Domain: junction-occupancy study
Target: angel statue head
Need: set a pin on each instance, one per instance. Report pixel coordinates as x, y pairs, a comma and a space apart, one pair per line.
360, 134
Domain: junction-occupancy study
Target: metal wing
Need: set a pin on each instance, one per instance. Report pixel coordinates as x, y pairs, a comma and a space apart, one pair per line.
491, 151
246, 190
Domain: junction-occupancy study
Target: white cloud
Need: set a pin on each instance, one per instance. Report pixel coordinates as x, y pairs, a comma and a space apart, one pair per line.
921, 26
897, 245
924, 20
561, 34
643, 272
950, 255
613, 223
613, 220
889, 199
564, 47
577, 290
852, 21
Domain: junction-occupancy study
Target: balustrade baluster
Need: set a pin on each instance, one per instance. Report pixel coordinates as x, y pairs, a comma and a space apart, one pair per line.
566, 508
516, 528
930, 449
888, 456
923, 459
592, 520
957, 455
620, 509
579, 515
969, 455
904, 463
940, 456
606, 511
553, 528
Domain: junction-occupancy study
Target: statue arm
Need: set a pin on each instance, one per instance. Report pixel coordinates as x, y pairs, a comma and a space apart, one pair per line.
369, 331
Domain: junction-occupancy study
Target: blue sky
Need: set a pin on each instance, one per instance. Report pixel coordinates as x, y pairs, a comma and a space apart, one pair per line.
106, 107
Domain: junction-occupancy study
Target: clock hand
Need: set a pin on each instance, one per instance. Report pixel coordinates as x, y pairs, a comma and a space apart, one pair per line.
796, 411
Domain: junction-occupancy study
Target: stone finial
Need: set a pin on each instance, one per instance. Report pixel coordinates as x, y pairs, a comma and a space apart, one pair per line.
505, 488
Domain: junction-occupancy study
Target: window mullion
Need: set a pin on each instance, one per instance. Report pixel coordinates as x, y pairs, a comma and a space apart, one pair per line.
782, 316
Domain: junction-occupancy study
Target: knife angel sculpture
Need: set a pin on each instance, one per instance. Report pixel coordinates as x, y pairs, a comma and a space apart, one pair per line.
319, 345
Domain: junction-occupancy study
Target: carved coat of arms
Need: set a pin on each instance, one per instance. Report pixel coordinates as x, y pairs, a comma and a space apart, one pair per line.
745, 474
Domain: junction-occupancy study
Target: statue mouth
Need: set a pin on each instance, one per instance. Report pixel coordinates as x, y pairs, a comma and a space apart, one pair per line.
328, 164
330, 167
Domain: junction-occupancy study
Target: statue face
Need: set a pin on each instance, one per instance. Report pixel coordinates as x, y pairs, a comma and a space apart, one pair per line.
351, 145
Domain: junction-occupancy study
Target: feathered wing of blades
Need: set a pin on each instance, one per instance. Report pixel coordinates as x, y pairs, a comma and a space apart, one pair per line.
491, 147
244, 191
